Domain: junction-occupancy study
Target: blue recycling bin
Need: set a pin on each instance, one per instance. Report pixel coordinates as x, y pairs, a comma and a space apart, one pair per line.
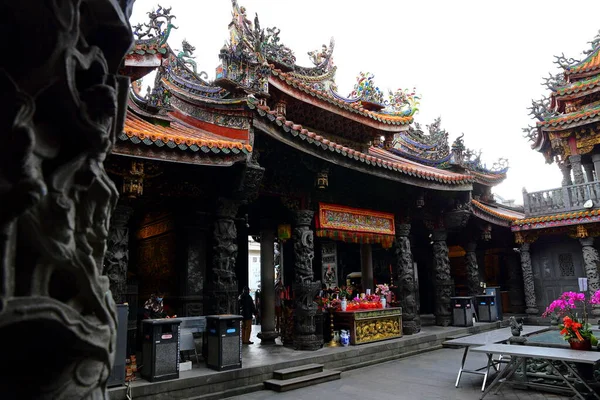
495, 291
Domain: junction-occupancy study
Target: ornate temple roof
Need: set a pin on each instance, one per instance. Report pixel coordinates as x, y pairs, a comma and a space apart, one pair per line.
196, 145
556, 220
574, 102
328, 96
591, 64
495, 213
256, 70
378, 159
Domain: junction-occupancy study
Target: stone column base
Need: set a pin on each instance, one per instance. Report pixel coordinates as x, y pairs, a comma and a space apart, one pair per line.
443, 320
307, 342
267, 336
532, 311
410, 327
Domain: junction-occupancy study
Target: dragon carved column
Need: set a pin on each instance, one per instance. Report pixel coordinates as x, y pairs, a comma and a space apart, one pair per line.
63, 103
411, 320
578, 176
591, 262
305, 289
224, 281
443, 281
565, 169
473, 277
116, 259
528, 282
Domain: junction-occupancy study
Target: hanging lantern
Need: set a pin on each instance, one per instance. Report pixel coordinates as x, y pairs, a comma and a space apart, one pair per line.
322, 180
487, 233
133, 181
420, 200
284, 232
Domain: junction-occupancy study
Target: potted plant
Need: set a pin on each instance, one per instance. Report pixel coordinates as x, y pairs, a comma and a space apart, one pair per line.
574, 329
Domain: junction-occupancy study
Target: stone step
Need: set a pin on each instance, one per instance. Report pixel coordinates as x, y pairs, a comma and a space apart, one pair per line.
301, 381
295, 372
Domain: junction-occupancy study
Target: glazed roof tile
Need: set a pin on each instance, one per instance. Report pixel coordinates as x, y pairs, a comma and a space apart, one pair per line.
490, 178
578, 86
354, 107
498, 212
376, 156
557, 217
178, 136
571, 118
590, 63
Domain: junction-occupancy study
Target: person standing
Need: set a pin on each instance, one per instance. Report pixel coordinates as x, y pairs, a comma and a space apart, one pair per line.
247, 309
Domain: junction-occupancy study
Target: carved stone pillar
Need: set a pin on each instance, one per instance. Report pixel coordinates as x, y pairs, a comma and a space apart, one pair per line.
528, 282
565, 169
591, 262
411, 320
305, 289
267, 283
578, 177
589, 172
443, 281
596, 161
473, 277
62, 106
515, 284
224, 293
366, 267
116, 259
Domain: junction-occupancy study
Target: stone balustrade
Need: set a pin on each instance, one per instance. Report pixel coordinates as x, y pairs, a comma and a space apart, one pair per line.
564, 199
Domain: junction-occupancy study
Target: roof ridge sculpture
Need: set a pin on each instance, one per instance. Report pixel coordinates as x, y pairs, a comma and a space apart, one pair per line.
567, 106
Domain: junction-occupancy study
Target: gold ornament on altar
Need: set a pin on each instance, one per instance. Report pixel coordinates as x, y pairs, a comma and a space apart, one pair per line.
284, 232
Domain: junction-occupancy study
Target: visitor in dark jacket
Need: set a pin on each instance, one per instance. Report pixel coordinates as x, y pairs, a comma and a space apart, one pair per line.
247, 309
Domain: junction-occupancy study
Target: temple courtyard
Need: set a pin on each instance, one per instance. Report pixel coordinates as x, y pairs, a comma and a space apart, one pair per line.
426, 376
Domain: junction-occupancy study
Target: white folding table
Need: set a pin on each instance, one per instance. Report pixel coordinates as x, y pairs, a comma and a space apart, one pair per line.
519, 355
495, 336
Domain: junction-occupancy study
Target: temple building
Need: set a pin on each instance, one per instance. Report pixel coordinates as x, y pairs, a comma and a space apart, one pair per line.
557, 235
271, 149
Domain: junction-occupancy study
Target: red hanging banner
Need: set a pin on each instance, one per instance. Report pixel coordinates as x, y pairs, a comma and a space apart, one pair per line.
355, 225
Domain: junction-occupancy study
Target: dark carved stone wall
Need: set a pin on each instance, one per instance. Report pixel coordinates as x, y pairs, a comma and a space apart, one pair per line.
224, 282
411, 320
62, 104
443, 281
473, 277
116, 259
305, 289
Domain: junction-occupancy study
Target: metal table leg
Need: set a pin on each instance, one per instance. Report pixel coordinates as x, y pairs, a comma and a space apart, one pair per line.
576, 374
462, 366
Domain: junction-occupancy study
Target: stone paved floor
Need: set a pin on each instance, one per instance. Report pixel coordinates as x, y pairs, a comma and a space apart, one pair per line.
427, 376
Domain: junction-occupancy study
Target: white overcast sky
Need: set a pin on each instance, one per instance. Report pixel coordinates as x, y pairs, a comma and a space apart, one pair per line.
477, 64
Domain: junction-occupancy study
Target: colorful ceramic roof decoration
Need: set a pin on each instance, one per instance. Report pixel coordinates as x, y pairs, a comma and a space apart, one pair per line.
557, 220
590, 64
178, 137
495, 213
375, 157
573, 105
355, 225
354, 106
186, 111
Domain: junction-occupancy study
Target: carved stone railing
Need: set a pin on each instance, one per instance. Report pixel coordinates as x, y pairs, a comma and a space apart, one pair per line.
563, 199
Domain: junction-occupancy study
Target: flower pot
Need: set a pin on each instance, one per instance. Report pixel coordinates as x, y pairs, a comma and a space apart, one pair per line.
584, 344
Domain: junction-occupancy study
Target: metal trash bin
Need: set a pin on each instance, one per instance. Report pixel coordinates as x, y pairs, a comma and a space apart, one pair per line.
486, 308
462, 311
495, 291
160, 349
117, 375
224, 337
